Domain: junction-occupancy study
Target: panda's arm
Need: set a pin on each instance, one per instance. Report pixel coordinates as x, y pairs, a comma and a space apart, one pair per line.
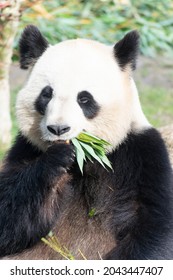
32, 185
144, 218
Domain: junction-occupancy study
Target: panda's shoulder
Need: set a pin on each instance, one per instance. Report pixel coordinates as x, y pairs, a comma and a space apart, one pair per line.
22, 150
146, 144
143, 157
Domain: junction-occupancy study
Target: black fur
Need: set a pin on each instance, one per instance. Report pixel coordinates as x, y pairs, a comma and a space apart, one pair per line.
126, 50
43, 99
26, 184
135, 202
31, 46
143, 176
88, 104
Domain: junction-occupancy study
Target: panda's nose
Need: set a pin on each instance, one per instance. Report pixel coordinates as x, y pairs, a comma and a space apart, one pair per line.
58, 129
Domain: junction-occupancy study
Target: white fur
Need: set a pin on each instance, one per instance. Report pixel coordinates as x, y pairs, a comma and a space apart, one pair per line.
69, 68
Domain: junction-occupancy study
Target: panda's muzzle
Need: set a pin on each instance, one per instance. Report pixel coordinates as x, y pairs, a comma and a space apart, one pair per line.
58, 129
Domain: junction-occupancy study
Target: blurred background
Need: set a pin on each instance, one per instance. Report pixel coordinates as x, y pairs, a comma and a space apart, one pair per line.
103, 20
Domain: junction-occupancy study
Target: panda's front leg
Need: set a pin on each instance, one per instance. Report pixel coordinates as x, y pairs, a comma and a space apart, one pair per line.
30, 196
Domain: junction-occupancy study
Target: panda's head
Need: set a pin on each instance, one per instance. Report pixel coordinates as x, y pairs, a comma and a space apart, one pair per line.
78, 85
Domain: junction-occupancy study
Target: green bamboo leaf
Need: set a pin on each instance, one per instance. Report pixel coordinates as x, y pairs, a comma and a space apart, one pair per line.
80, 162
87, 147
106, 161
76, 143
91, 138
80, 159
88, 156
80, 155
90, 150
92, 212
98, 148
105, 143
87, 138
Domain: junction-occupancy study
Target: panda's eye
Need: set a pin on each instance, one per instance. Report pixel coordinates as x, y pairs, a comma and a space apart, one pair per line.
43, 99
84, 97
83, 100
88, 104
47, 92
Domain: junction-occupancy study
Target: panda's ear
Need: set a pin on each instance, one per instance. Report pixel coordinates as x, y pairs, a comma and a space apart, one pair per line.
126, 50
31, 46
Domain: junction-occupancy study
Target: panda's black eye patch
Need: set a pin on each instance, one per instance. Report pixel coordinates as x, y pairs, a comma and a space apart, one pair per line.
47, 92
43, 99
88, 104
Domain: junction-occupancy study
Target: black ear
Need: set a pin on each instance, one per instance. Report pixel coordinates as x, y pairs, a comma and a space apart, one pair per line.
31, 46
126, 50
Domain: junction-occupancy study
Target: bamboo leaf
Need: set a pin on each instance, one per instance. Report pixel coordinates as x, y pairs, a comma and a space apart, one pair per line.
54, 244
98, 148
80, 155
92, 212
88, 138
88, 156
88, 146
80, 160
90, 150
76, 143
106, 161
91, 138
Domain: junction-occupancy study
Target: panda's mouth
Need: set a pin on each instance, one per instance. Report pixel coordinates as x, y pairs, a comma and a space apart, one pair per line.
63, 141
57, 142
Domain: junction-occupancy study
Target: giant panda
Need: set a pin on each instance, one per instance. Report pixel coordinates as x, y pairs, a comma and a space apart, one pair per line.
74, 86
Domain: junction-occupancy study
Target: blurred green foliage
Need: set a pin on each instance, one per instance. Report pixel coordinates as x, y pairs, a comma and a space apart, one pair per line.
157, 104
105, 20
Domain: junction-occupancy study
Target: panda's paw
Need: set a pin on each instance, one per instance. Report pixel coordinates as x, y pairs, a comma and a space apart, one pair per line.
62, 155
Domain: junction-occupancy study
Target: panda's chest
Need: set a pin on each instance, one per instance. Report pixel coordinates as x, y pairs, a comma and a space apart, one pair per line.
84, 232
84, 226
96, 188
